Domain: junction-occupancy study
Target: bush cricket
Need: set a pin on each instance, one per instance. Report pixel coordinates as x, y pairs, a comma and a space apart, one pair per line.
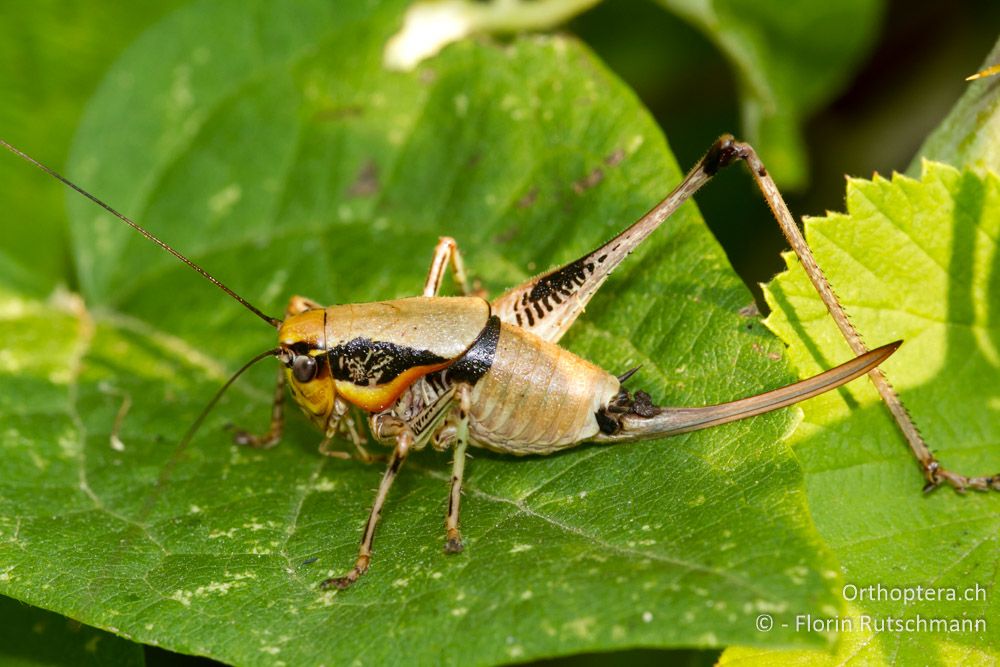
458, 371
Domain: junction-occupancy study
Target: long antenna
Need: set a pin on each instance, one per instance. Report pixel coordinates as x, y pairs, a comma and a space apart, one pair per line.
273, 321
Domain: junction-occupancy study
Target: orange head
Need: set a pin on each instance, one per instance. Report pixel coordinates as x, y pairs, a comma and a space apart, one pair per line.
302, 349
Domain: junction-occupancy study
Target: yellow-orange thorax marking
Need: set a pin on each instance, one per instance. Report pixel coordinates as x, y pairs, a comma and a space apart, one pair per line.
375, 398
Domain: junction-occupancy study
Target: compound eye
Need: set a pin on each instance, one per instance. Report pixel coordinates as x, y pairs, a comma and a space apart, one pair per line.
304, 368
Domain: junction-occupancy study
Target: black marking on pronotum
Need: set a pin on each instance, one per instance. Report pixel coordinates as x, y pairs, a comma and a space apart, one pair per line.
367, 362
478, 359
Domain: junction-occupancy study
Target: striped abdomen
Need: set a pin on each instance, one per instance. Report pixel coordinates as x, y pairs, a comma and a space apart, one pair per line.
537, 398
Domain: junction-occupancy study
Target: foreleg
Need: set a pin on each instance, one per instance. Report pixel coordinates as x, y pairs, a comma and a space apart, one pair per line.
404, 441
277, 428
296, 305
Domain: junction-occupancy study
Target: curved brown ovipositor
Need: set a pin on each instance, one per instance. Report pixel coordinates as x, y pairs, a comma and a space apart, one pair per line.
627, 418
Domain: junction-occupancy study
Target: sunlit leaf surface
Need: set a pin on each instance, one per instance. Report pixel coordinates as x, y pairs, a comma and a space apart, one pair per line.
915, 260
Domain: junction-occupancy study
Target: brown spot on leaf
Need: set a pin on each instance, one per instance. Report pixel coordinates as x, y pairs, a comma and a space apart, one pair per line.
749, 310
759, 349
506, 235
331, 114
588, 181
615, 158
528, 199
366, 183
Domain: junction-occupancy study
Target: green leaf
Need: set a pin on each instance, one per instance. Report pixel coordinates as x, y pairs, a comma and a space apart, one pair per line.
915, 260
279, 154
970, 135
53, 55
31, 637
788, 59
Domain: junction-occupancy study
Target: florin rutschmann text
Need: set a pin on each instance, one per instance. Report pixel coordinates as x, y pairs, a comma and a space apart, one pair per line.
873, 624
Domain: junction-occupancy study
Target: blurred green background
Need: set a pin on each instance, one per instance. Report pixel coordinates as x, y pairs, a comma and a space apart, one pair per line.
54, 55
